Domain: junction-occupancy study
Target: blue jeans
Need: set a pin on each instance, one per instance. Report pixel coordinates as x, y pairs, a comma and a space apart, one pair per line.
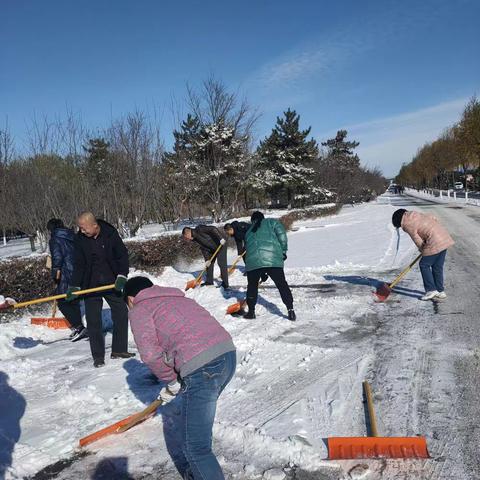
431, 267
188, 420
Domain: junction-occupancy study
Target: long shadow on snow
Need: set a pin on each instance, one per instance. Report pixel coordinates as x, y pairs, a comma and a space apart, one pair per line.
12, 408
146, 387
373, 282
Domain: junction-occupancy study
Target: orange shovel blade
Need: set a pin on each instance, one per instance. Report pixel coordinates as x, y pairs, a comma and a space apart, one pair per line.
111, 429
235, 307
383, 292
377, 447
191, 284
51, 322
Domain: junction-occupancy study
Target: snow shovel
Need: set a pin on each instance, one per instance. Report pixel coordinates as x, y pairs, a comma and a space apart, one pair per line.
385, 289
343, 448
54, 322
122, 425
234, 264
196, 282
6, 306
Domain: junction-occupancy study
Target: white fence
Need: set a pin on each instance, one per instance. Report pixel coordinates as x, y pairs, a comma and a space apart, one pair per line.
444, 196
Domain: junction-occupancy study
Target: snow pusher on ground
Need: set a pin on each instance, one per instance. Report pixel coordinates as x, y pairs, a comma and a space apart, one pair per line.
385, 289
375, 446
53, 321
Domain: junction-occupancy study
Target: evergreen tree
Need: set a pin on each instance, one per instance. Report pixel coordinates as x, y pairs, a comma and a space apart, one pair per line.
285, 160
97, 153
340, 152
340, 168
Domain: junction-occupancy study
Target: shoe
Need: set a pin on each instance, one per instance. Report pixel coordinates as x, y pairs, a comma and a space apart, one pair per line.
206, 284
225, 287
429, 295
122, 355
291, 315
263, 278
250, 315
441, 295
78, 334
98, 362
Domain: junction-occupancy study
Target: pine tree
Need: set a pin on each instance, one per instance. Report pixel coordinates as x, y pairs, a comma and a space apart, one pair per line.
285, 160
98, 153
341, 166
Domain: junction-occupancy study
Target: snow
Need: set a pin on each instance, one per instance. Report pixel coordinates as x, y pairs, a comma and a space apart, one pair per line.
295, 384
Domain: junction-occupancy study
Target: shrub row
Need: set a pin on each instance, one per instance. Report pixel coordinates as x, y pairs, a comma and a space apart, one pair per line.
28, 278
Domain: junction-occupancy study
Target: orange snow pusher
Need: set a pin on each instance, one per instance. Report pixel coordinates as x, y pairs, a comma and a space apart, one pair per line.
385, 289
122, 425
53, 321
343, 448
196, 282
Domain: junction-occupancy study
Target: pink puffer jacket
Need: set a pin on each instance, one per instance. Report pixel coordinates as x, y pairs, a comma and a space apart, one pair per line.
174, 334
427, 233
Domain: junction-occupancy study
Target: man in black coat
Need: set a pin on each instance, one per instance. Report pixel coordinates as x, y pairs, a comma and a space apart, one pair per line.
237, 230
101, 258
209, 238
62, 252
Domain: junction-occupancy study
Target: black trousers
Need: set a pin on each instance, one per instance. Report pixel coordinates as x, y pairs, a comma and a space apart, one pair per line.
221, 258
278, 276
71, 311
93, 311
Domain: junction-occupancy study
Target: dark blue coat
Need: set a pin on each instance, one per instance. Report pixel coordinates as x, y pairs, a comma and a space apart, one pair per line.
62, 251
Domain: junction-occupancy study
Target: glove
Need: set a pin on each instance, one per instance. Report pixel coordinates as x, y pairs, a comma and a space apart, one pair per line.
207, 263
70, 296
223, 241
120, 283
168, 393
284, 256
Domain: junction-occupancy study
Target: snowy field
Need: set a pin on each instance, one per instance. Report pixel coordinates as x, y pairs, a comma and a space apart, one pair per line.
296, 383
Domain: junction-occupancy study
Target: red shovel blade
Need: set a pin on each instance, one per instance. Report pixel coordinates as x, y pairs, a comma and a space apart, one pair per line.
383, 292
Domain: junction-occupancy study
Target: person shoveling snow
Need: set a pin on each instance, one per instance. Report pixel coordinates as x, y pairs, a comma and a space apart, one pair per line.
432, 240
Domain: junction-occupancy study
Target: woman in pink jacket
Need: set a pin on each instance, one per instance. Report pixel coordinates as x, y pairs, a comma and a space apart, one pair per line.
188, 349
432, 239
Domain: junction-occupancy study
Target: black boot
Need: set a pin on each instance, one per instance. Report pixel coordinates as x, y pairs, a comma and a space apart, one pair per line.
98, 362
249, 315
291, 315
122, 355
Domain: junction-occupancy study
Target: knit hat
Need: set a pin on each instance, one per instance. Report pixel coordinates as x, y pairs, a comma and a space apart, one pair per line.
397, 217
135, 285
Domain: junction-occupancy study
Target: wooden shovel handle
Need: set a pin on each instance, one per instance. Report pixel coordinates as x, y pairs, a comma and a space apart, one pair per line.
63, 295
371, 411
404, 272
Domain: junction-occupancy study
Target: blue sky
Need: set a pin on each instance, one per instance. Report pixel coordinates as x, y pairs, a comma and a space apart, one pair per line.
394, 73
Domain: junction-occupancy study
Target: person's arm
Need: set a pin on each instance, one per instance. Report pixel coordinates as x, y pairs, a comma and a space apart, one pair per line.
151, 351
120, 253
281, 235
417, 239
57, 258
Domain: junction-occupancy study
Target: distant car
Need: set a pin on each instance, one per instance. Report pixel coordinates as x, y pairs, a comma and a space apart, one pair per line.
458, 186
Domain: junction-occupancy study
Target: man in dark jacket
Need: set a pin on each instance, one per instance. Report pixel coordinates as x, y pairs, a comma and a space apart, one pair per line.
101, 258
62, 252
209, 238
237, 230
